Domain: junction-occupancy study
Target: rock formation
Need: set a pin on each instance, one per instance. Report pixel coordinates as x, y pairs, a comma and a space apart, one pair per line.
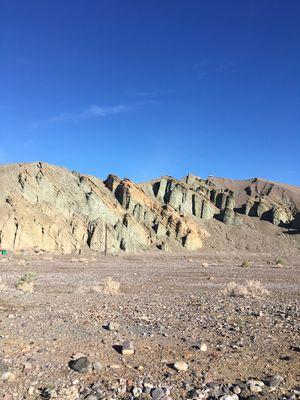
48, 208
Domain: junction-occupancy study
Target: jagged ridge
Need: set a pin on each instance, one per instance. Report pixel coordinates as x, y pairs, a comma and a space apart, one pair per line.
50, 208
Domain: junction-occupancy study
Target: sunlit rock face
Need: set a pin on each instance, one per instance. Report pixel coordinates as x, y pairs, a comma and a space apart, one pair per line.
49, 208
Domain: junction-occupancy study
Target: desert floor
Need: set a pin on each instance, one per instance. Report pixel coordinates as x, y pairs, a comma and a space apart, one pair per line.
168, 305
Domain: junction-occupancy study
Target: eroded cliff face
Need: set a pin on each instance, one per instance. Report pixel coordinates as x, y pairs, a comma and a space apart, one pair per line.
167, 227
228, 200
48, 208
52, 209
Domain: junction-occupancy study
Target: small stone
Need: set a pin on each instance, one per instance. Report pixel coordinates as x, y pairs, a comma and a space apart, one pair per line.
275, 380
91, 397
256, 386
82, 364
137, 391
157, 393
193, 394
147, 387
237, 390
203, 346
31, 390
97, 366
3, 367
113, 326
114, 366
181, 366
8, 376
230, 397
27, 366
128, 348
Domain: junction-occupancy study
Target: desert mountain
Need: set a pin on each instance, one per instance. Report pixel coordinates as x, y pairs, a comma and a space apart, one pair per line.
49, 208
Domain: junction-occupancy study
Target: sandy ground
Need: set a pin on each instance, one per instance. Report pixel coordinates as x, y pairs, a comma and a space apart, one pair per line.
167, 305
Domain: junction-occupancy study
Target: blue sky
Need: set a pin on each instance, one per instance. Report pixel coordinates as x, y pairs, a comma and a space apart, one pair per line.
144, 88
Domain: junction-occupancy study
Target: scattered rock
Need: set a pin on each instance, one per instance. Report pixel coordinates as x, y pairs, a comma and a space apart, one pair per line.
157, 393
97, 366
181, 366
128, 348
81, 365
137, 391
275, 381
203, 347
256, 386
113, 326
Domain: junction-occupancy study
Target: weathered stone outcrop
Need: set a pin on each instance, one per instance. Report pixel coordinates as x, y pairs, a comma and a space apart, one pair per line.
52, 209
273, 202
163, 221
181, 197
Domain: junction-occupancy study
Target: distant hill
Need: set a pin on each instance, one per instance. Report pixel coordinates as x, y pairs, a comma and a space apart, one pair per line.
49, 208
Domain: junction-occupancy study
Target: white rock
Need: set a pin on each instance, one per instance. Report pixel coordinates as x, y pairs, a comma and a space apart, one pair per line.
128, 349
181, 366
203, 347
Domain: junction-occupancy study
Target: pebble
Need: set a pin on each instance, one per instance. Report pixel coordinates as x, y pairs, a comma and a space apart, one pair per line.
181, 366
237, 390
276, 380
3, 367
113, 326
31, 390
128, 348
8, 376
256, 386
137, 391
81, 365
114, 366
97, 366
203, 347
91, 397
157, 393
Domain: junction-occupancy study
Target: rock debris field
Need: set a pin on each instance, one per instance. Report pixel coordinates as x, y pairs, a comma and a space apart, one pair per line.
155, 326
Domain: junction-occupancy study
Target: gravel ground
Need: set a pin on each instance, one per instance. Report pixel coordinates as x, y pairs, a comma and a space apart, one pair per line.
169, 306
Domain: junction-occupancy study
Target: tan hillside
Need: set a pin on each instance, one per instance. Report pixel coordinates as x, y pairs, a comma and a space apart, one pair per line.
49, 208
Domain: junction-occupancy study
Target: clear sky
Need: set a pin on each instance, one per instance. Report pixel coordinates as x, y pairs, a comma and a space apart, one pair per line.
144, 88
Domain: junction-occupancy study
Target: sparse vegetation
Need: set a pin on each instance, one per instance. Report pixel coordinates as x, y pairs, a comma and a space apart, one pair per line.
26, 282
279, 262
253, 289
3, 286
245, 264
110, 286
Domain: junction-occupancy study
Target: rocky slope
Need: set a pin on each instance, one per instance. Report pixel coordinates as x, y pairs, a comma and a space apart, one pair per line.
49, 208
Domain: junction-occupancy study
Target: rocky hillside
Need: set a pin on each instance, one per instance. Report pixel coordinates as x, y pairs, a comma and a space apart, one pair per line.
49, 208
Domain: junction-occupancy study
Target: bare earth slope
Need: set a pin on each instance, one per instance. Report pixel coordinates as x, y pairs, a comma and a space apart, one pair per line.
49, 208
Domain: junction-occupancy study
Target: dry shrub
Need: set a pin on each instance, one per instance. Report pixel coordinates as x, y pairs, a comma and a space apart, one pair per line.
3, 286
279, 262
110, 286
245, 264
26, 282
253, 289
